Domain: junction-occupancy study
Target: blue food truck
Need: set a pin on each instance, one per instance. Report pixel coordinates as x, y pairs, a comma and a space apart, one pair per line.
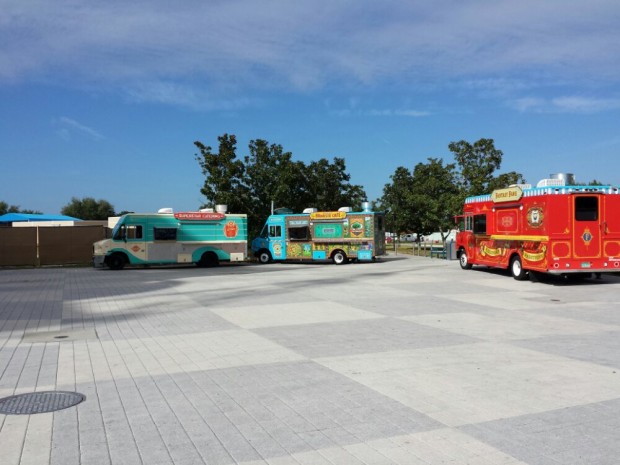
340, 236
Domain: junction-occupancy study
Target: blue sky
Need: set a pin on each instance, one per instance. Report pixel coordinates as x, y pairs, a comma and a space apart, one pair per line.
105, 99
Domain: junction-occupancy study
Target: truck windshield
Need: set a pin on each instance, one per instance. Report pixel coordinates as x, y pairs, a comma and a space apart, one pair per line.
118, 231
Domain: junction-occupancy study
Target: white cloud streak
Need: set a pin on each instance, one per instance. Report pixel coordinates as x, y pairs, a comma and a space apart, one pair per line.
67, 126
232, 47
566, 104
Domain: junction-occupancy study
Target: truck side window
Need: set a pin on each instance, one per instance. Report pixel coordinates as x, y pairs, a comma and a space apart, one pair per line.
586, 208
480, 224
134, 232
275, 231
300, 233
165, 234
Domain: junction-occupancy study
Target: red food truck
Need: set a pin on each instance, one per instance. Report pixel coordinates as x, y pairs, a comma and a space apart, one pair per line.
556, 227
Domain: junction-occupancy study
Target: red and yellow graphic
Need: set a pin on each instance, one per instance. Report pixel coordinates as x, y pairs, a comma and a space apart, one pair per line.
487, 249
231, 229
533, 256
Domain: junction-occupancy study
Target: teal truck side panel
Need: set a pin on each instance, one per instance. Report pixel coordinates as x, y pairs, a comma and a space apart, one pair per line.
140, 239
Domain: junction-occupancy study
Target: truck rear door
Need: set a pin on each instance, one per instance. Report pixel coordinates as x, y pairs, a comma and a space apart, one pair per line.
587, 229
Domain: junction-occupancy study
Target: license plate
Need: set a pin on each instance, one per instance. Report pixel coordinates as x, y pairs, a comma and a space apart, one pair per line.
585, 265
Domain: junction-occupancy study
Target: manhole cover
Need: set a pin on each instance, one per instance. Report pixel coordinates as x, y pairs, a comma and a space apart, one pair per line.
39, 402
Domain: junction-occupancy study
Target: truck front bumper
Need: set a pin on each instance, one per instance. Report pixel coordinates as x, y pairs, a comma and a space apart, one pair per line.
98, 261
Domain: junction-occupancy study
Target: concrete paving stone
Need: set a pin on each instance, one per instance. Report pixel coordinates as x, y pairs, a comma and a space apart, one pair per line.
214, 370
576, 435
355, 337
278, 314
466, 381
341, 456
515, 325
602, 347
38, 440
321, 439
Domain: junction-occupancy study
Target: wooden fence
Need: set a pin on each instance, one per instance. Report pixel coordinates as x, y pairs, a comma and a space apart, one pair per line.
45, 245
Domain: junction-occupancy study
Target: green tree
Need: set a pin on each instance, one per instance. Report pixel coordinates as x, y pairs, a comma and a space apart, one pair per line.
269, 174
397, 202
6, 208
88, 209
272, 177
224, 175
478, 163
329, 187
436, 196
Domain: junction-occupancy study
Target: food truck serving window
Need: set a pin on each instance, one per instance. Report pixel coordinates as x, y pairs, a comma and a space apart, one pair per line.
298, 233
586, 208
480, 224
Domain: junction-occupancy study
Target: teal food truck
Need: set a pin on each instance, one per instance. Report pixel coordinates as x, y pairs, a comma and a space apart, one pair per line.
338, 236
204, 237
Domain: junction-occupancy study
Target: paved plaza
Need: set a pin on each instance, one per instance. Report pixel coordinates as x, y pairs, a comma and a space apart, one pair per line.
409, 360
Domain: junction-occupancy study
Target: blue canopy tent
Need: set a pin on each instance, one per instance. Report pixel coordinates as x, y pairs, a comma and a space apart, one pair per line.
30, 217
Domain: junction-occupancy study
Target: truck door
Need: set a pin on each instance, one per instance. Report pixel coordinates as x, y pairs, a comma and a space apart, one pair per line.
277, 245
587, 230
130, 236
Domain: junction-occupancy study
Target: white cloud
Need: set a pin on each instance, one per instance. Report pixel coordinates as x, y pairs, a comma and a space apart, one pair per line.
241, 45
66, 127
183, 95
566, 104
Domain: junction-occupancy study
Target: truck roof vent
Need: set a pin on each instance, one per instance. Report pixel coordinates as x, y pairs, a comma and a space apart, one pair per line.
165, 210
309, 210
345, 209
221, 208
550, 183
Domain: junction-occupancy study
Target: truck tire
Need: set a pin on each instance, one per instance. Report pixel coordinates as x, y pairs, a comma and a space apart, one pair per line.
208, 260
339, 257
516, 269
264, 257
117, 261
464, 260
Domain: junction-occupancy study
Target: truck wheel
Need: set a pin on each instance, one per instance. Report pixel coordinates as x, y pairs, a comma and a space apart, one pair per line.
208, 260
516, 268
464, 261
264, 257
340, 258
117, 261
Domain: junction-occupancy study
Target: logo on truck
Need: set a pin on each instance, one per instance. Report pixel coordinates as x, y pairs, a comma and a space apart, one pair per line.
535, 217
231, 229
